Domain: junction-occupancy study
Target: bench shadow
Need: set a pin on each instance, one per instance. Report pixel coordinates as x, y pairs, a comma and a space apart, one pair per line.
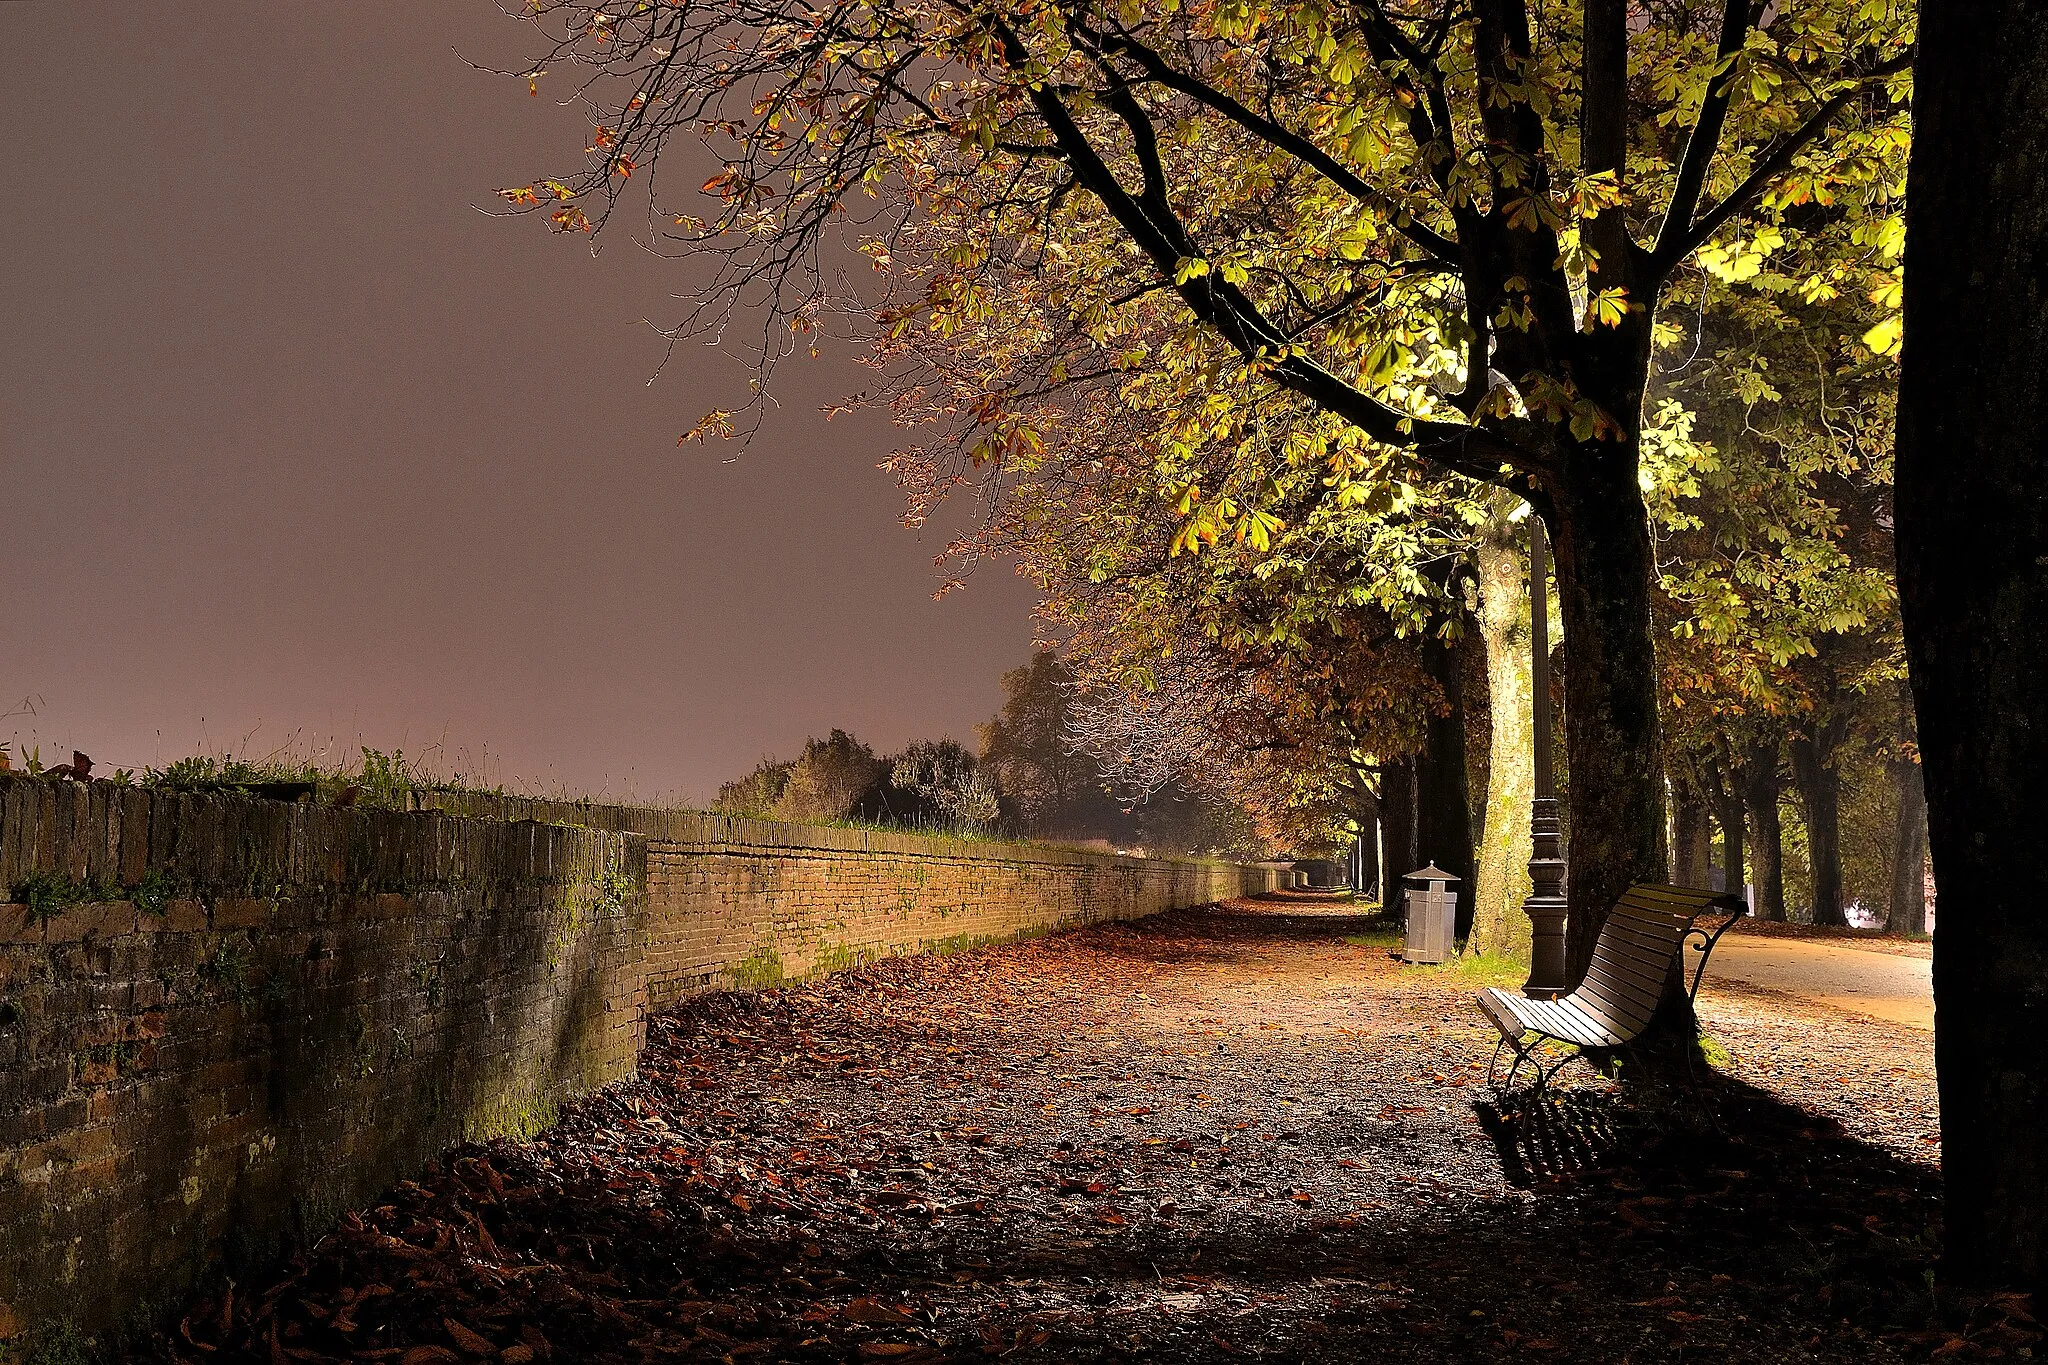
1565, 1134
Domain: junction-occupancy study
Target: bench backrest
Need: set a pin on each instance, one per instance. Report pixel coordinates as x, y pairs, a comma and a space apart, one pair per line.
1633, 954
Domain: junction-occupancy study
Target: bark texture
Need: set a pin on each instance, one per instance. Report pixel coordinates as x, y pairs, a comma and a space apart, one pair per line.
1498, 925
1601, 535
1397, 831
1820, 796
1369, 856
1734, 848
1906, 913
1724, 797
1972, 534
1691, 838
1761, 787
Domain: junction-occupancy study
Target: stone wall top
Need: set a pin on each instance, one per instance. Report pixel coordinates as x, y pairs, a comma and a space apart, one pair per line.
710, 829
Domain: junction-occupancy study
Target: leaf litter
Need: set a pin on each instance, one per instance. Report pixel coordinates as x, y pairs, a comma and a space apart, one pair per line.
1217, 1135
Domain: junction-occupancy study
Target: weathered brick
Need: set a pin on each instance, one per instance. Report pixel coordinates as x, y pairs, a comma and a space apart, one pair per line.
182, 917
16, 926
93, 919
241, 912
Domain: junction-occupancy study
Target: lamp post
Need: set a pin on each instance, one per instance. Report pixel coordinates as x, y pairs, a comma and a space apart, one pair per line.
1546, 904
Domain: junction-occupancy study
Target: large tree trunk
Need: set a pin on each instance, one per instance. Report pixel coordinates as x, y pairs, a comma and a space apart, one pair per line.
1443, 810
1615, 802
1820, 794
1397, 832
1761, 787
1734, 863
1498, 925
1906, 911
1724, 796
1972, 533
1691, 837
1369, 853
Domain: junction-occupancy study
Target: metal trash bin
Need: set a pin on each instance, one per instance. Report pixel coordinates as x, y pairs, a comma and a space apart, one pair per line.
1432, 915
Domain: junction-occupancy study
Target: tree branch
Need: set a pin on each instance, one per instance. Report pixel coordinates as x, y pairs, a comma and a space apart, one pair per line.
1774, 164
1705, 138
1441, 248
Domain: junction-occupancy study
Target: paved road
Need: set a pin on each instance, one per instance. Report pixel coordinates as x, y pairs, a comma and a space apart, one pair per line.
1885, 985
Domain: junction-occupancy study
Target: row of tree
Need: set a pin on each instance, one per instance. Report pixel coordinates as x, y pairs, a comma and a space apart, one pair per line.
1261, 327
1034, 777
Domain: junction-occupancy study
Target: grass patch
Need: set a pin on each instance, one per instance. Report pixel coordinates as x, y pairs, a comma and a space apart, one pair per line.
1385, 935
1485, 968
1494, 969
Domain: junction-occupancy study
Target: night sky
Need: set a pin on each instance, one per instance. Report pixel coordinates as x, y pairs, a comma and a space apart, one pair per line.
299, 448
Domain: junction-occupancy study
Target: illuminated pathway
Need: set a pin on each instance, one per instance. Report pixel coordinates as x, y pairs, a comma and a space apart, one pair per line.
1214, 1136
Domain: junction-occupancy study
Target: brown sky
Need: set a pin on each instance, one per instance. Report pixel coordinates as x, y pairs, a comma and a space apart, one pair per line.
297, 445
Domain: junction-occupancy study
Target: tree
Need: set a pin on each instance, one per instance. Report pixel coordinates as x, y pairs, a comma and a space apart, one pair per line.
1773, 461
1027, 749
943, 777
1906, 902
1316, 203
1762, 784
835, 778
1501, 878
1972, 481
755, 795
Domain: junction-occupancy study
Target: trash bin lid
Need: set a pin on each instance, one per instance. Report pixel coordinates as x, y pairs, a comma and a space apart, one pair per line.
1432, 873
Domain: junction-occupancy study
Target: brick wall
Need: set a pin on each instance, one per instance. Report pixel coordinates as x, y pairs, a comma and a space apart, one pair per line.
261, 1014
755, 904
739, 904
223, 1021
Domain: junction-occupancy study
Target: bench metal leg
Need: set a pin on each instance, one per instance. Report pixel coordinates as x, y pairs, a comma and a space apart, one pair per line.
1526, 1055
1493, 1063
1543, 1076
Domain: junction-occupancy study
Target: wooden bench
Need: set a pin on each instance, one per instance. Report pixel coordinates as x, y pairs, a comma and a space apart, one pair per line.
1651, 925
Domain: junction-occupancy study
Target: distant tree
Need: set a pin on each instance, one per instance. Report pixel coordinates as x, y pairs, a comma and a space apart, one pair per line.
755, 795
1028, 751
943, 777
834, 778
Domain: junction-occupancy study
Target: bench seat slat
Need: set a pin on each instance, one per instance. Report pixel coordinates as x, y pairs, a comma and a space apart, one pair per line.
1646, 970
1625, 995
1648, 962
1636, 975
1619, 1028
1649, 957
1578, 1026
1660, 893
1647, 934
1622, 1009
1561, 1019
1663, 891
1625, 1020
1625, 1017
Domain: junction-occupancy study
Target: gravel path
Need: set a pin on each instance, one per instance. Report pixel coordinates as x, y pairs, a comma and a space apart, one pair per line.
1224, 1135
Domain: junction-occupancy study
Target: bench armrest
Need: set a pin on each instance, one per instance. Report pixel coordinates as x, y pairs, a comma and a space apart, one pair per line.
1702, 939
1501, 1017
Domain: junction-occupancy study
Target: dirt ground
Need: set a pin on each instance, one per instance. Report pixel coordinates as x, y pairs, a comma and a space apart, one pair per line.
1222, 1135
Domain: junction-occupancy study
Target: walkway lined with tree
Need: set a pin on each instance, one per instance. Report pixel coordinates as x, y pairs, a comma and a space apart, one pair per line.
1218, 1135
